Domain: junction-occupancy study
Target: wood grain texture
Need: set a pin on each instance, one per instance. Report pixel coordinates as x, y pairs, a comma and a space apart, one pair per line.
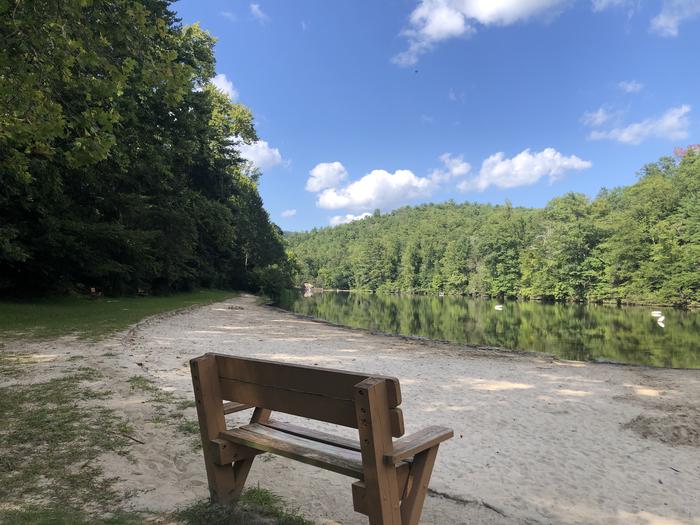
298, 403
210, 413
359, 489
329, 457
373, 423
315, 435
231, 407
424, 439
422, 468
310, 379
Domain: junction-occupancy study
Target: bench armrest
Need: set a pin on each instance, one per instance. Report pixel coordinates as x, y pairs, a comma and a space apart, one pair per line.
409, 446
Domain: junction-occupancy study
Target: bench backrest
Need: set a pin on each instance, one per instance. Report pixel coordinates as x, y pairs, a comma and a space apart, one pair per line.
316, 393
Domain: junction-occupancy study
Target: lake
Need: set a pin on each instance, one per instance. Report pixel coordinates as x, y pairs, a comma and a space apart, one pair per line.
570, 331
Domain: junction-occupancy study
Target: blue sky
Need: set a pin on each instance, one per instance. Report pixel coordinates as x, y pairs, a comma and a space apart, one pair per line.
364, 104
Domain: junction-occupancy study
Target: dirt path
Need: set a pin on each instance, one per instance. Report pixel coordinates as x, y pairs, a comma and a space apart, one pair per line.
536, 440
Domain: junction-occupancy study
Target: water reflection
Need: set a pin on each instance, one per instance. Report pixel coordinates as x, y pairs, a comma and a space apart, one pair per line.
580, 332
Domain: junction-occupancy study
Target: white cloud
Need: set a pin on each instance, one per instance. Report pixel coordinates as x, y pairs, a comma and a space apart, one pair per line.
326, 175
261, 154
524, 169
672, 125
601, 5
453, 167
434, 21
228, 14
673, 12
224, 84
344, 219
596, 118
288, 213
630, 86
377, 189
258, 13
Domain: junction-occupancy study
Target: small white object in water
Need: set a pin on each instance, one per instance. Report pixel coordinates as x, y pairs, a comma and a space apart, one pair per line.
661, 319
499, 307
656, 313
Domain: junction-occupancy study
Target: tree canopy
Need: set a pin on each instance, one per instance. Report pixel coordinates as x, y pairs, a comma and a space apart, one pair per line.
638, 244
119, 161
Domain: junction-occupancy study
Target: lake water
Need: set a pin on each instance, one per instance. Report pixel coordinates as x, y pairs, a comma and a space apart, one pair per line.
579, 332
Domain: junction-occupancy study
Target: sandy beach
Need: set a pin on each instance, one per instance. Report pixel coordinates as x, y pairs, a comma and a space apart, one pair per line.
537, 440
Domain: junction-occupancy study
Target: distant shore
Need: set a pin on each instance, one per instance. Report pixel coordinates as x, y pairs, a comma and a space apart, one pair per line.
621, 302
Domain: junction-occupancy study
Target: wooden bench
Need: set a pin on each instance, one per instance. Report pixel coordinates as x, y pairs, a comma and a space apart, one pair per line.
392, 476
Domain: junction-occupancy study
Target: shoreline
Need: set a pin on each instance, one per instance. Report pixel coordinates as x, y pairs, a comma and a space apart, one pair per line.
537, 440
468, 346
616, 304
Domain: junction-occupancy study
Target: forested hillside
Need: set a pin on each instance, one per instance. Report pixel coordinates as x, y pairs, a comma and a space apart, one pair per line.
634, 244
118, 159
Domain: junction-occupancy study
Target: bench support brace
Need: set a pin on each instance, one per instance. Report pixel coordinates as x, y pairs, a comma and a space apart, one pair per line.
210, 412
241, 468
373, 422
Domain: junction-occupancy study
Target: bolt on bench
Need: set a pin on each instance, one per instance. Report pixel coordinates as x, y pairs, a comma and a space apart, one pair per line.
392, 476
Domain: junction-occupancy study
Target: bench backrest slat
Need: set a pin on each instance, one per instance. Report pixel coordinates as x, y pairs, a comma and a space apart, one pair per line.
315, 393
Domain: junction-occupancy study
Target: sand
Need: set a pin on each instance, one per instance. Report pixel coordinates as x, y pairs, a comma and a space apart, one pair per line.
537, 440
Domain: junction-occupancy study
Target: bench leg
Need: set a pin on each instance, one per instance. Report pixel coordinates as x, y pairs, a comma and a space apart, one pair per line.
242, 468
382, 491
210, 412
419, 479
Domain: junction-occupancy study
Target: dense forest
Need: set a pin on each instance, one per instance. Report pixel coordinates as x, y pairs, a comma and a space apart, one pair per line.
118, 158
636, 244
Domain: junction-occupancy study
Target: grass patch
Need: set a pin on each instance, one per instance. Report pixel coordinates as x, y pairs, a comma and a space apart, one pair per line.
156, 394
188, 426
185, 404
168, 408
91, 318
255, 507
60, 516
50, 443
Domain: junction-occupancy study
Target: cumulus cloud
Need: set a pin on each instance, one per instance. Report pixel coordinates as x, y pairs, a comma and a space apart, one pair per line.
288, 213
344, 219
225, 85
434, 21
630, 86
377, 189
326, 175
261, 154
673, 12
672, 125
524, 169
258, 13
453, 166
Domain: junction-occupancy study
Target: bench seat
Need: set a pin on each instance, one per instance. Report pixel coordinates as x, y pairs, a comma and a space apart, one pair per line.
315, 448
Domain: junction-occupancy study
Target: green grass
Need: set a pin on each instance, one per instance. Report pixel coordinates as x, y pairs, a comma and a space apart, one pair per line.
91, 318
255, 507
56, 515
187, 426
51, 442
156, 394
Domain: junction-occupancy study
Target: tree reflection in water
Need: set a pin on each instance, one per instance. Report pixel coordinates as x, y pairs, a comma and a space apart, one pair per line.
569, 331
